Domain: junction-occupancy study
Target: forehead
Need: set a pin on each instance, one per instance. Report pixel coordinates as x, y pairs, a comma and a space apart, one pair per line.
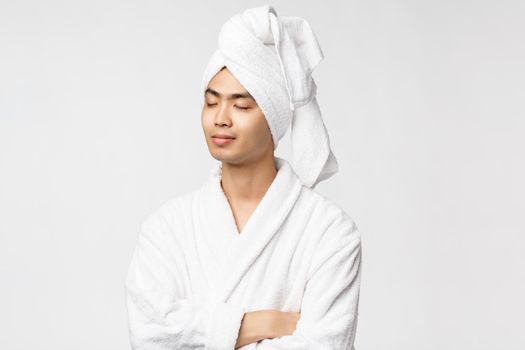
226, 80
224, 84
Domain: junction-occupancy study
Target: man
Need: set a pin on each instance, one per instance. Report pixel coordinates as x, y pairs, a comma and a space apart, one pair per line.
255, 258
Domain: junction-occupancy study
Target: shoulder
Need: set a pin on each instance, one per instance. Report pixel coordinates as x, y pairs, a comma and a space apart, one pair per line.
168, 216
340, 239
340, 225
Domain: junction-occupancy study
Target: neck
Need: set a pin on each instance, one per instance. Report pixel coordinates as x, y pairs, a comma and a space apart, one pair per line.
248, 181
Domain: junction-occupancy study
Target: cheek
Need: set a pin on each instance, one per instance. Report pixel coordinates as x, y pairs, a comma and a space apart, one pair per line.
206, 119
253, 127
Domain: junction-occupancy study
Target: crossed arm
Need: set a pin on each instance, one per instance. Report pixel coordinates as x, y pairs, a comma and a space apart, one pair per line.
161, 318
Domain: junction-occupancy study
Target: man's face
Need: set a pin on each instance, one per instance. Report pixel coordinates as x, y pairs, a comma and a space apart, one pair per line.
230, 110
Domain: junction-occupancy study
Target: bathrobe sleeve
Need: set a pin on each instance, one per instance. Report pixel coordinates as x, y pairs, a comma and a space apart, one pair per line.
329, 307
160, 316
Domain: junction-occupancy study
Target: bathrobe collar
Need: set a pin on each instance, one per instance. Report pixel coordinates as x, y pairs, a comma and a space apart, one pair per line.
233, 253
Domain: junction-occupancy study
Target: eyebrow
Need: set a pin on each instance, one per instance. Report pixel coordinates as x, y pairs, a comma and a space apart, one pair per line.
231, 96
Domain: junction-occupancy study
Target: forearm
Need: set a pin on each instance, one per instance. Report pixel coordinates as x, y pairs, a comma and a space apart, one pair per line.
266, 324
255, 326
157, 322
161, 316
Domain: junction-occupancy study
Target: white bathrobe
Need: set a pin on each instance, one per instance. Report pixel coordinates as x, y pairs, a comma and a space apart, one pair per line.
193, 275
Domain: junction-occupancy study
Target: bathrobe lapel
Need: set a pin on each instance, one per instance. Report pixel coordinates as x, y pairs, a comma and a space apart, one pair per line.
233, 253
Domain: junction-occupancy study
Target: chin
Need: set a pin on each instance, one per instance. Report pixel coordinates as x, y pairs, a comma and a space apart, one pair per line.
229, 156
222, 155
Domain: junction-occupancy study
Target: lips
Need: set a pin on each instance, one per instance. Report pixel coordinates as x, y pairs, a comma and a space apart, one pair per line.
222, 141
222, 136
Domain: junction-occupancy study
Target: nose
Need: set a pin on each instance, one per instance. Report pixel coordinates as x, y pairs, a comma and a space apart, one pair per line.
222, 116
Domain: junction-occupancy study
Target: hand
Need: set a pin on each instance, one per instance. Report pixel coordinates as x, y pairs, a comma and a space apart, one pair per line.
266, 324
283, 323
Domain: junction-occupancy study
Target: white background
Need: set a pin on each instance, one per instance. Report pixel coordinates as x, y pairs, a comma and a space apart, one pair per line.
424, 101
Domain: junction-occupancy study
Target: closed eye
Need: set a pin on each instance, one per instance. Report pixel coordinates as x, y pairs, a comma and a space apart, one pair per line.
238, 107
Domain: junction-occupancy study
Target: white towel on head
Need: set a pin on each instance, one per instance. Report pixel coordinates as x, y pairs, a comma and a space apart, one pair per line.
273, 58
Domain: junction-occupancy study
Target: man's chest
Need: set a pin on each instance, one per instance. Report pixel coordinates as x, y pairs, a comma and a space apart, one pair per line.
274, 278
